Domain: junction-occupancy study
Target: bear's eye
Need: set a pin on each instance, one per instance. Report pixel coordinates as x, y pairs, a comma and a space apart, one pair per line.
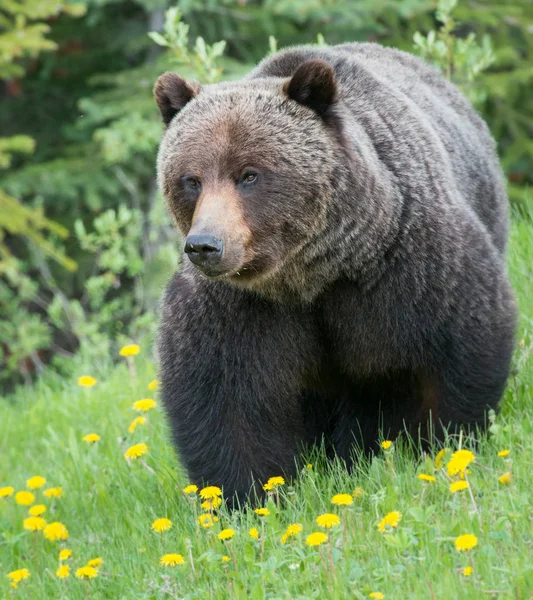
249, 177
191, 182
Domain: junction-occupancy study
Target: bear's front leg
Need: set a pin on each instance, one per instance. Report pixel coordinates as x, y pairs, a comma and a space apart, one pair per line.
234, 369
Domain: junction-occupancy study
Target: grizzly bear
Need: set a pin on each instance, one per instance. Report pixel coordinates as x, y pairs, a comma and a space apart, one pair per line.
345, 222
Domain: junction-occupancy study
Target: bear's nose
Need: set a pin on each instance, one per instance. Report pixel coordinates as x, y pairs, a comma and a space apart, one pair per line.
204, 250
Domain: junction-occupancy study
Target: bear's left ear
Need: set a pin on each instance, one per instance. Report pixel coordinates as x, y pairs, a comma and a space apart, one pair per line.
313, 85
172, 93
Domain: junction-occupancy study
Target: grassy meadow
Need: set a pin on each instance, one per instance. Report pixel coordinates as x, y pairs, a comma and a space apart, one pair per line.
109, 503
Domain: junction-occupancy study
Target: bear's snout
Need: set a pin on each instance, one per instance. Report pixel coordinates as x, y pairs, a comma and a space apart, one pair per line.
205, 251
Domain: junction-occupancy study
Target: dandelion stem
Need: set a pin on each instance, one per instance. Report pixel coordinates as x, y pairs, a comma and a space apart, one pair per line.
330, 556
344, 528
131, 367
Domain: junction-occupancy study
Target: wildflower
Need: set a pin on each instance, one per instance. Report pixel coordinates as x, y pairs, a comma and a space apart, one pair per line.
24, 498
56, 492
273, 483
130, 350
309, 466
391, 520
226, 534
35, 482
225, 559
316, 539
34, 523
144, 405
458, 486
136, 451
254, 533
6, 491
160, 525
65, 554
440, 457
465, 542
376, 595
135, 422
210, 492
153, 384
292, 530
190, 489
467, 571
18, 575
386, 444
86, 381
212, 504
504, 453
96, 563
63, 572
424, 477
460, 461
91, 438
262, 512
55, 531
342, 499
358, 492
206, 520
505, 478
327, 520
86, 572
171, 560
37, 510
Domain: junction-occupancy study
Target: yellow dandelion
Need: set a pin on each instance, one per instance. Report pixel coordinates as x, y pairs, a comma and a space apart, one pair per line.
55, 531
63, 572
276, 481
358, 492
86, 381
459, 462
153, 384
34, 523
386, 444
458, 486
171, 560
136, 451
467, 571
144, 405
505, 478
91, 438
226, 534
504, 453
86, 572
424, 477
18, 575
206, 520
24, 498
135, 422
292, 530
6, 491
342, 499
130, 350
465, 542
160, 525
328, 520
376, 595
37, 510
210, 492
65, 554
309, 466
190, 489
96, 563
225, 559
35, 482
254, 533
56, 492
390, 520
316, 539
212, 504
262, 512
440, 458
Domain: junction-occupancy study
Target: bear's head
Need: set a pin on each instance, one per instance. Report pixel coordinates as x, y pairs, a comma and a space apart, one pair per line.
249, 170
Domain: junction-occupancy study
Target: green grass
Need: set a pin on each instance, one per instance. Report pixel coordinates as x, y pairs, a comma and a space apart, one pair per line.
109, 504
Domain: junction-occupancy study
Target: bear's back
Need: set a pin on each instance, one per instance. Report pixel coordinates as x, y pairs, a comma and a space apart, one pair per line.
421, 127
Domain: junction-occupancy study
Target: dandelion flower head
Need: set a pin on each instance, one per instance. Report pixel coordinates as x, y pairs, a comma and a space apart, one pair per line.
211, 504
35, 482
328, 520
505, 478
316, 539
460, 461
262, 512
465, 542
63, 572
386, 444
225, 559
226, 534
144, 405
86, 572
254, 533
18, 575
135, 422
171, 560
65, 554
440, 458
390, 520
6, 491
376, 595
458, 486
130, 350
153, 385
91, 438
206, 520
504, 453
55, 531
86, 381
95, 562
136, 451
163, 524
467, 571
424, 477
190, 489
37, 510
56, 492
34, 523
210, 492
24, 498
342, 499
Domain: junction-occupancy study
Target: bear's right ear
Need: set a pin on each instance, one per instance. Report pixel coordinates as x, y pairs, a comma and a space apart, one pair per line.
313, 85
172, 93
